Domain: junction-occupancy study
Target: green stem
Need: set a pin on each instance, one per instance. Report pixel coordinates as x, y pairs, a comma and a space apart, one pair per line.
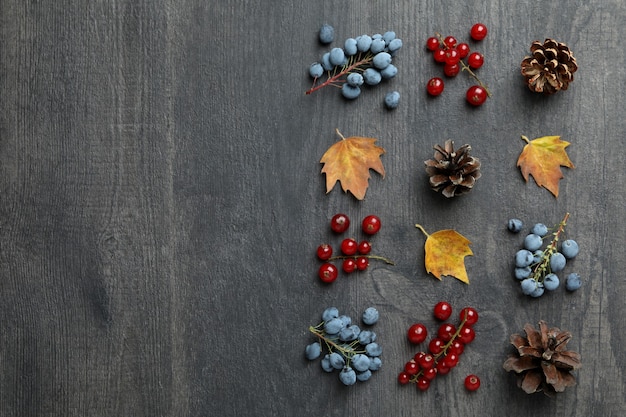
376, 257
540, 270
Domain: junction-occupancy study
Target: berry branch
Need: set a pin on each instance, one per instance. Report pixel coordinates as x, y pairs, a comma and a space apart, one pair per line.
347, 350
375, 257
543, 265
355, 63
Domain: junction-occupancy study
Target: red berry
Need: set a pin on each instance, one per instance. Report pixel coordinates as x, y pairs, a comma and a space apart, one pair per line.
371, 224
404, 378
324, 251
435, 86
349, 246
439, 55
470, 315
435, 346
426, 361
452, 57
417, 333
476, 95
446, 332
411, 367
450, 41
362, 263
472, 382
430, 374
328, 272
364, 247
339, 223
432, 43
450, 360
466, 335
442, 310
348, 265
451, 70
463, 49
422, 383
457, 347
418, 356
478, 32
475, 60
442, 369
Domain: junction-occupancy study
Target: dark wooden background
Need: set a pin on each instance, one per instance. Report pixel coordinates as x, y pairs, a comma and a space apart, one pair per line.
161, 201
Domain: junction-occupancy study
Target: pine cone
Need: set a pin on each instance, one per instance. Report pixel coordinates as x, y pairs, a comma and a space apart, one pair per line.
452, 172
550, 68
541, 361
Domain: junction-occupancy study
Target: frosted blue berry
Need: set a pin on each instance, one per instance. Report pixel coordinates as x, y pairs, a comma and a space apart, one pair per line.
373, 349
551, 282
523, 258
316, 70
350, 91
538, 292
514, 225
349, 46
573, 282
327, 34
346, 320
360, 362
375, 363
522, 273
325, 362
389, 36
330, 313
349, 333
557, 262
355, 79
377, 36
337, 56
394, 46
347, 376
539, 229
569, 248
363, 43
381, 60
336, 360
392, 99
326, 62
537, 255
364, 376
372, 76
313, 351
389, 72
378, 45
333, 326
528, 286
370, 316
532, 242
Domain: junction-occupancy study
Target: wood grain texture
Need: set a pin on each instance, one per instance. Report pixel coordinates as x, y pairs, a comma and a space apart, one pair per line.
161, 201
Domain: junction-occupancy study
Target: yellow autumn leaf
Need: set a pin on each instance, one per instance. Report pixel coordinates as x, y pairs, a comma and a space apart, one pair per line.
542, 158
445, 253
349, 162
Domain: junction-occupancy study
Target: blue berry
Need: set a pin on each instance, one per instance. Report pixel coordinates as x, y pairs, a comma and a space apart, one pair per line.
557, 262
377, 36
330, 313
372, 76
363, 43
355, 79
523, 258
347, 376
370, 316
515, 225
333, 326
573, 282
360, 362
337, 56
364, 376
378, 45
569, 248
349, 333
375, 363
349, 46
392, 99
350, 91
367, 336
381, 60
327, 34
326, 62
336, 360
316, 70
389, 36
551, 282
538, 292
346, 320
539, 229
373, 349
325, 362
389, 72
313, 351
532, 242
394, 46
528, 286
523, 273
537, 255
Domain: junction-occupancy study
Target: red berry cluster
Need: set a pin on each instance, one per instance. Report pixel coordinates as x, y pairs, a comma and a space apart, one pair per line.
449, 52
355, 255
444, 350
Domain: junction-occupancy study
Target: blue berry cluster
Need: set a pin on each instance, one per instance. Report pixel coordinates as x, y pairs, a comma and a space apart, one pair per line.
351, 350
538, 265
362, 61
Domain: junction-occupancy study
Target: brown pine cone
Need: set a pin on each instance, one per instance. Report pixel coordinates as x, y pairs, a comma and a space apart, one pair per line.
452, 172
550, 68
542, 362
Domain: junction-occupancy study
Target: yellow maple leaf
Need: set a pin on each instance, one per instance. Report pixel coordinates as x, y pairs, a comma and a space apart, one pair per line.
542, 158
445, 254
349, 161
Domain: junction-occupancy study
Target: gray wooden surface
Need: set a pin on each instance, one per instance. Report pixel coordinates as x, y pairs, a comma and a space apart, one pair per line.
161, 201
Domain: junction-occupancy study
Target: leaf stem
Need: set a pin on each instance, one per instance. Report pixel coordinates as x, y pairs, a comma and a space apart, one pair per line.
419, 226
525, 139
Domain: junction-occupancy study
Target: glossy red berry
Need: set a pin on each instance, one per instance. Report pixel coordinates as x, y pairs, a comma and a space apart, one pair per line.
449, 41
451, 70
457, 347
435, 86
422, 383
442, 310
472, 382
476, 95
442, 369
426, 361
439, 55
432, 43
446, 331
466, 335
411, 367
349, 246
464, 49
324, 251
450, 360
435, 346
478, 32
452, 57
469, 315
404, 378
339, 223
475, 60
328, 272
348, 265
417, 333
430, 374
362, 263
364, 247
371, 224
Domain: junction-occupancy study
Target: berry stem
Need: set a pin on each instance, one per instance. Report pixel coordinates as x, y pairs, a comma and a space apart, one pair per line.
542, 266
354, 63
376, 257
347, 350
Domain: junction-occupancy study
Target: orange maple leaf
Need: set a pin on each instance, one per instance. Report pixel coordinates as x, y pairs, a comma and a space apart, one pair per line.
542, 158
445, 254
349, 161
